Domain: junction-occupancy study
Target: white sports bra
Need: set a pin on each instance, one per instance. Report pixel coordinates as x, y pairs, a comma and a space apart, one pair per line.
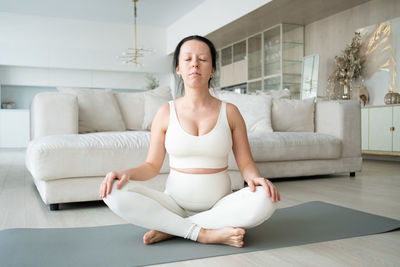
210, 150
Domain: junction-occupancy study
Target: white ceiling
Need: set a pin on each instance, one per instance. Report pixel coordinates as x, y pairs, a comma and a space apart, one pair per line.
158, 13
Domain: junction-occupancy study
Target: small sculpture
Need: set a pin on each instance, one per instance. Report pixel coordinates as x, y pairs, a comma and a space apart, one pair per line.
392, 98
362, 94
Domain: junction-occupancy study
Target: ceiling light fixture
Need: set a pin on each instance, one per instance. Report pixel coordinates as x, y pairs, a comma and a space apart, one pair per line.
131, 55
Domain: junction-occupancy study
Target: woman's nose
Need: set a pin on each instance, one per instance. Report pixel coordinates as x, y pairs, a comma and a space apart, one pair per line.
195, 63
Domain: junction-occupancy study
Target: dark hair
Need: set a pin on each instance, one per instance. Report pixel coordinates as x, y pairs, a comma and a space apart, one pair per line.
175, 62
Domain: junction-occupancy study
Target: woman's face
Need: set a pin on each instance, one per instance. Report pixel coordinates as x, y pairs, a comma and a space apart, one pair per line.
195, 64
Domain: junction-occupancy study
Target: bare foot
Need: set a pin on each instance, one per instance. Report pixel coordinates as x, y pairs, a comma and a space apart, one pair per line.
154, 236
228, 235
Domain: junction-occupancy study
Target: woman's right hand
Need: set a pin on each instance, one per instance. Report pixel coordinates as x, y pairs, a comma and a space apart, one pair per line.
106, 185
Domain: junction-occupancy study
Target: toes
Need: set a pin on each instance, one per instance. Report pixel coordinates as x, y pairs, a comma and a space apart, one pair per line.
240, 231
237, 237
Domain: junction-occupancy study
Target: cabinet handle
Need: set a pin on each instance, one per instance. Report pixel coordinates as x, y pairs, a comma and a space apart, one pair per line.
391, 128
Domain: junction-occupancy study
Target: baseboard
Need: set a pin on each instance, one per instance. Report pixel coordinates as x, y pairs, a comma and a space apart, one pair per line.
380, 157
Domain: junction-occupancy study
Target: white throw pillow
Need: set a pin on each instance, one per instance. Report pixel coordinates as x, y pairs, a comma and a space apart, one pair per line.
151, 105
255, 110
132, 109
138, 109
98, 110
290, 115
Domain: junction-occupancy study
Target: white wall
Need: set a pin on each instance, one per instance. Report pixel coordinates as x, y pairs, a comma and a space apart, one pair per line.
27, 40
208, 17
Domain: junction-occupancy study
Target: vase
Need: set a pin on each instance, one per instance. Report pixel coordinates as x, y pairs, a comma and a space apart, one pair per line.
346, 92
392, 98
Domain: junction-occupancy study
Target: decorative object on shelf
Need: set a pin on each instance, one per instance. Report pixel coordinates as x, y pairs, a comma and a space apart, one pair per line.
8, 105
362, 93
348, 68
131, 55
152, 81
392, 98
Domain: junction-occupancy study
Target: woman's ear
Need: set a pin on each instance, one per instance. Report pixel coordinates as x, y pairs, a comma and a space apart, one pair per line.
177, 70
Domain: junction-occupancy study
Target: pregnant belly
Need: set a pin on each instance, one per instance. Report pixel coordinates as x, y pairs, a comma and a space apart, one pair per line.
197, 192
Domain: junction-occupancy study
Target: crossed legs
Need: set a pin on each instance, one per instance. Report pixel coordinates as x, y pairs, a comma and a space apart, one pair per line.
223, 223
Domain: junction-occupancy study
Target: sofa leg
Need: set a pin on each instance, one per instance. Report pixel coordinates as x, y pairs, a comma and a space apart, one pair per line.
352, 174
54, 207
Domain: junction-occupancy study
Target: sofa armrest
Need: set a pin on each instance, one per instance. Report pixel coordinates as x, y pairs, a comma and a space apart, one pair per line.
342, 119
54, 113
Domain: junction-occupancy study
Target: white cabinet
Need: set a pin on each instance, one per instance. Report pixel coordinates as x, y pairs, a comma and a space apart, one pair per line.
381, 129
14, 127
396, 128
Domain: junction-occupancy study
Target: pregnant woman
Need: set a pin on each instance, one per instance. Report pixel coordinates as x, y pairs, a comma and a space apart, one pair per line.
198, 131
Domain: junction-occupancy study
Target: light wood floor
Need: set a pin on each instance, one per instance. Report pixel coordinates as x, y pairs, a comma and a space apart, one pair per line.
376, 190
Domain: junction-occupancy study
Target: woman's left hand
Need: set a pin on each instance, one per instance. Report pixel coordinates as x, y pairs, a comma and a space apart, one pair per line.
270, 189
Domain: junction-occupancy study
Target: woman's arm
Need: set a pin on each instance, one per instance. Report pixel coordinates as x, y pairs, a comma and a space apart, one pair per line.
154, 160
244, 159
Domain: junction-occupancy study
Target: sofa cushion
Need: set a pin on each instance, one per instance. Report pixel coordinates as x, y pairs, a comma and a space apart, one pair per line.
255, 110
98, 110
290, 115
152, 103
275, 94
132, 109
284, 146
138, 109
82, 155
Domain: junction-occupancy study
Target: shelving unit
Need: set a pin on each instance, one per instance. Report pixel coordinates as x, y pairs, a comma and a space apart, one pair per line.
273, 61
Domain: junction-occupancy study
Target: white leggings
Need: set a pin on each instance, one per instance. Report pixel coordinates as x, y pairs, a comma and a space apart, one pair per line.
191, 202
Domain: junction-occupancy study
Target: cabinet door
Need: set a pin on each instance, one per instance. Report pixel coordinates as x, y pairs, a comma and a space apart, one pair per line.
254, 57
14, 128
227, 77
380, 121
364, 129
239, 72
396, 132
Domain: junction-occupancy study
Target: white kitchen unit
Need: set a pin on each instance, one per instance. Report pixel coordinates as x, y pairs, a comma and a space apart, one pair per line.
14, 128
381, 129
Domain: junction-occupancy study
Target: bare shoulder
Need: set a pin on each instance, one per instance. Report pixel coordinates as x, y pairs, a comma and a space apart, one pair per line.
231, 108
233, 114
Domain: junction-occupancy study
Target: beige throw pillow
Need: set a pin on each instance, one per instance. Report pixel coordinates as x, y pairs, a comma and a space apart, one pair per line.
290, 115
151, 104
98, 110
132, 109
138, 109
255, 110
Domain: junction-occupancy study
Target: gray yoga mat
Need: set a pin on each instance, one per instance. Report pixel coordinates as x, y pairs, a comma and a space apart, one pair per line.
121, 245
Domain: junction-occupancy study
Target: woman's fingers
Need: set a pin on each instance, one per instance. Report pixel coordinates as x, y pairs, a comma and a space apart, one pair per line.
122, 181
109, 181
101, 190
270, 189
266, 187
251, 185
106, 185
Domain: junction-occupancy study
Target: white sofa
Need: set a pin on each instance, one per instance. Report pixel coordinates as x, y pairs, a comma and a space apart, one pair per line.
68, 165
